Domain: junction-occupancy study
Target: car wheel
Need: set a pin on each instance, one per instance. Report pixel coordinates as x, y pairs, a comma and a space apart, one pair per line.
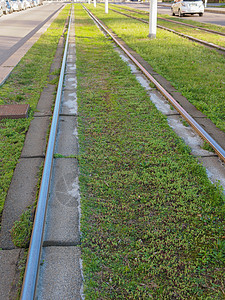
201, 14
180, 14
172, 12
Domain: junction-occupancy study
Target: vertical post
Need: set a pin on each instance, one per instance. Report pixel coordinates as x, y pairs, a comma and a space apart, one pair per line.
205, 3
106, 6
94, 3
89, 1
152, 19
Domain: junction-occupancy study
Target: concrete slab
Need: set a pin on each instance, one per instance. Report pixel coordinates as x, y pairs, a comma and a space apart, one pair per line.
165, 83
62, 225
22, 193
8, 267
67, 142
190, 137
69, 103
216, 134
71, 49
71, 68
161, 103
55, 280
190, 108
215, 169
35, 143
71, 58
44, 107
70, 82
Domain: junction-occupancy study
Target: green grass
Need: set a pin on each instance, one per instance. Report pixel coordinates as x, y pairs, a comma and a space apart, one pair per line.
195, 71
24, 86
152, 223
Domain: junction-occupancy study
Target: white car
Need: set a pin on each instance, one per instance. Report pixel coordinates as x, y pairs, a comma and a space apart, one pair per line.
183, 7
1, 11
16, 5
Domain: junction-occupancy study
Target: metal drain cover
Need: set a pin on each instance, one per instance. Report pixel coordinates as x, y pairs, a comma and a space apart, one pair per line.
14, 111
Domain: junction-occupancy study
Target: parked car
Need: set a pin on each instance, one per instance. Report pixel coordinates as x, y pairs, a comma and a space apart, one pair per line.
1, 11
23, 4
16, 5
34, 3
9, 6
4, 7
183, 7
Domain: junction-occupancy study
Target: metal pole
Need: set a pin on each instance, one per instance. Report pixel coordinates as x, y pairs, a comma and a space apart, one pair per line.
94, 3
89, 1
205, 3
152, 19
106, 6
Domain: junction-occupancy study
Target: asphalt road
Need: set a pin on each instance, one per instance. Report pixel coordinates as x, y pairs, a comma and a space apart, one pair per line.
18, 27
208, 17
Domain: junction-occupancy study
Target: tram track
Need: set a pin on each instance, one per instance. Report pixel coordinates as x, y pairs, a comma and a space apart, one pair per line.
195, 125
30, 275
177, 22
200, 41
57, 239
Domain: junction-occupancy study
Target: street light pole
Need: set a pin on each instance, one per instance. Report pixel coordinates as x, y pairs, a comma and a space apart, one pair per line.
94, 3
106, 6
152, 19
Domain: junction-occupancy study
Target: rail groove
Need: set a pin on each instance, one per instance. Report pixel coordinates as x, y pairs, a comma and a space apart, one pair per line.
217, 148
31, 272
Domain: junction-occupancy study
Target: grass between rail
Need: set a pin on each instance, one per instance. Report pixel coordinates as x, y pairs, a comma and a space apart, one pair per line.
24, 86
152, 223
194, 70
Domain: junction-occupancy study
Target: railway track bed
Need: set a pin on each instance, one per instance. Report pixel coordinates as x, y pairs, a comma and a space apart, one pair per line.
178, 28
136, 213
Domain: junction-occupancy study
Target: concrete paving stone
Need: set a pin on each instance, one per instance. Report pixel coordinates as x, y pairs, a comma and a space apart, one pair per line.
55, 280
215, 169
70, 82
45, 102
69, 103
216, 134
9, 273
67, 137
35, 143
62, 225
21, 194
71, 50
166, 84
71, 58
71, 68
190, 108
161, 103
190, 137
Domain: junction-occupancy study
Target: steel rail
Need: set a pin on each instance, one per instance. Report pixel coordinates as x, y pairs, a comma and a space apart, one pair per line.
173, 21
176, 32
33, 260
218, 149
